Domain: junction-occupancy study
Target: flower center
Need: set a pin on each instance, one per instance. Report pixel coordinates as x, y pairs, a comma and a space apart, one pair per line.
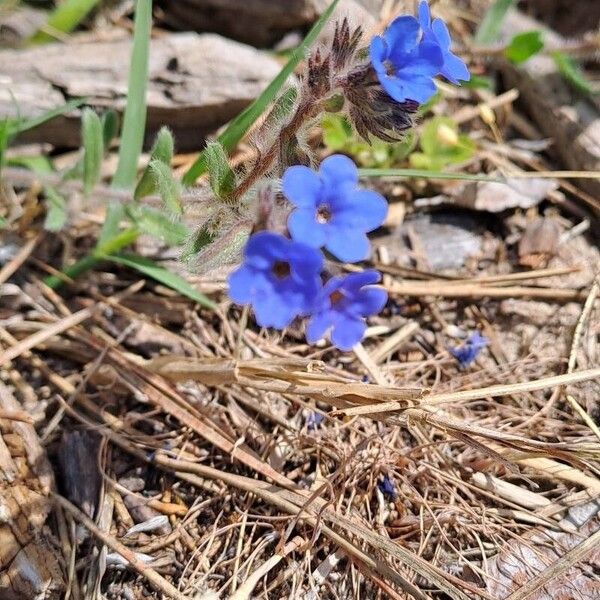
281, 269
335, 296
390, 69
323, 214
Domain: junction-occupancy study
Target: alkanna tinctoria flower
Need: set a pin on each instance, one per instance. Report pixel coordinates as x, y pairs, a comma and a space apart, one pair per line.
453, 68
342, 306
279, 278
411, 52
331, 211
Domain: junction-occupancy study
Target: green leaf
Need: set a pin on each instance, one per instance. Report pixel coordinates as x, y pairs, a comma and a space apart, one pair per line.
20, 125
425, 174
242, 123
93, 149
221, 175
442, 145
56, 215
162, 149
134, 121
3, 222
488, 30
524, 46
158, 224
337, 131
478, 82
572, 73
162, 275
65, 17
168, 187
115, 213
110, 127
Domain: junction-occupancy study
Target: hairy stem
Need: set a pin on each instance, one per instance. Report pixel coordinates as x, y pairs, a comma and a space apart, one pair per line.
307, 109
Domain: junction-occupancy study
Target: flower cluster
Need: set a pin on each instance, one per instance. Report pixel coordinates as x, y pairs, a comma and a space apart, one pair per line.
411, 52
288, 275
281, 278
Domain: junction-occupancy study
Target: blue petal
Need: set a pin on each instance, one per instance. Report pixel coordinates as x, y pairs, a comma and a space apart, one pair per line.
317, 327
424, 14
369, 301
355, 281
378, 51
442, 35
420, 90
263, 248
338, 169
272, 310
395, 88
402, 34
454, 69
362, 209
243, 283
347, 332
301, 186
348, 245
304, 228
307, 262
426, 62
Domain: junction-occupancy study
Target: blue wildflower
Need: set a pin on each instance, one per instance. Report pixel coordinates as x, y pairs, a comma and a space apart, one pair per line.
453, 69
331, 210
342, 306
387, 487
468, 352
405, 64
279, 278
313, 420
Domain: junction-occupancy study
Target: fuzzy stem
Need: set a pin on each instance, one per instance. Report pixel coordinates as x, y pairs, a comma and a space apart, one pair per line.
307, 109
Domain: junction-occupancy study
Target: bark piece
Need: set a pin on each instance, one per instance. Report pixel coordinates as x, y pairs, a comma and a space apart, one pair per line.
196, 83
29, 569
572, 120
258, 22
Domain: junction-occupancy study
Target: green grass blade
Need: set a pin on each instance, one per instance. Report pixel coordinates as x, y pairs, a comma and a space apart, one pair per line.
134, 121
21, 125
426, 174
65, 17
236, 130
113, 245
488, 30
93, 149
572, 73
162, 275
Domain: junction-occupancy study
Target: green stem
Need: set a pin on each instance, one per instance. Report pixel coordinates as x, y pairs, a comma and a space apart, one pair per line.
115, 244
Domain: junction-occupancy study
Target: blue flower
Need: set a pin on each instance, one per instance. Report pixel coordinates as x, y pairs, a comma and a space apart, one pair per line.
453, 69
331, 210
313, 420
405, 64
468, 352
342, 306
279, 278
387, 487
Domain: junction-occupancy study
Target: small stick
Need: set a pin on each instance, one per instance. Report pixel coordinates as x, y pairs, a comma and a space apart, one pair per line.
585, 313
158, 582
478, 394
245, 590
11, 267
16, 415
